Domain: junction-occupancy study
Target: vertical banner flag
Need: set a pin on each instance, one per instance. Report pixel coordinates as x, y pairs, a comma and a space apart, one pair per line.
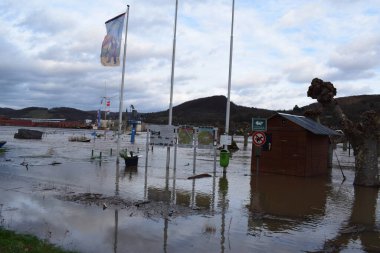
110, 55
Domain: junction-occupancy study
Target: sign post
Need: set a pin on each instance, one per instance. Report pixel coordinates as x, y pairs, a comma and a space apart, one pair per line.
258, 151
259, 125
258, 140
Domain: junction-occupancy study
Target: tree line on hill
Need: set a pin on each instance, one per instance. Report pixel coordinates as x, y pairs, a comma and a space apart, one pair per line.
208, 111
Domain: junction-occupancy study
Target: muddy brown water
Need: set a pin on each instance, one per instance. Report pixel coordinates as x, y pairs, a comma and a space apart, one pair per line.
94, 205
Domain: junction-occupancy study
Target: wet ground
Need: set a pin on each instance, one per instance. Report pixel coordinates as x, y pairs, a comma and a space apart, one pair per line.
60, 192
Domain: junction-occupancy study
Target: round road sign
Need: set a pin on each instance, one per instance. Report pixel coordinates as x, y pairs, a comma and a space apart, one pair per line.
259, 138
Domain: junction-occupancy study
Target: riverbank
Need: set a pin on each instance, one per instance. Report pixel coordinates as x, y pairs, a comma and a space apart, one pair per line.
11, 242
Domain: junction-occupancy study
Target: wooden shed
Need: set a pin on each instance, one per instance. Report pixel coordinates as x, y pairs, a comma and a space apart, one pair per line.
296, 145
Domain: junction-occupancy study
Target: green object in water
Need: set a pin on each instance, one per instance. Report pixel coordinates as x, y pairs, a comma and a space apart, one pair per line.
124, 153
224, 158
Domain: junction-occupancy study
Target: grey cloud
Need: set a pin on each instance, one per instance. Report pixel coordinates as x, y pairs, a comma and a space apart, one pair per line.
66, 52
301, 74
354, 61
140, 56
357, 60
299, 77
354, 74
54, 52
40, 21
50, 57
345, 89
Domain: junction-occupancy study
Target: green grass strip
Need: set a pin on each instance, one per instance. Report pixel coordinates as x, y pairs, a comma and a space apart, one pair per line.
11, 242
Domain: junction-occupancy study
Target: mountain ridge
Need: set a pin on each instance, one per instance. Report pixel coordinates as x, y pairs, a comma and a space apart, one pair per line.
202, 111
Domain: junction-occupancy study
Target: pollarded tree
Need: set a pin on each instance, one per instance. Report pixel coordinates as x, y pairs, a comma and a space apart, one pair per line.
362, 135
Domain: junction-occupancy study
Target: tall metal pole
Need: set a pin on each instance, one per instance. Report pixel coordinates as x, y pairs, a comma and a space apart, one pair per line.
173, 63
122, 89
230, 71
172, 82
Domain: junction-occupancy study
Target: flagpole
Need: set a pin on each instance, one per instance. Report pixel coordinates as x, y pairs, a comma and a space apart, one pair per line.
173, 63
122, 89
172, 82
230, 71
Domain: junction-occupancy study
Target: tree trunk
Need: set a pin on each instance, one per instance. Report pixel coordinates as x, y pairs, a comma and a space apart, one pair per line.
363, 136
366, 165
245, 139
364, 139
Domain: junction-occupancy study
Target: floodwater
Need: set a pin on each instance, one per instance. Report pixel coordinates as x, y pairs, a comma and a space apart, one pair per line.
59, 197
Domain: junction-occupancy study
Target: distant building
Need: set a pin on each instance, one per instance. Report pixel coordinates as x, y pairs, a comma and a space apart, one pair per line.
296, 145
34, 122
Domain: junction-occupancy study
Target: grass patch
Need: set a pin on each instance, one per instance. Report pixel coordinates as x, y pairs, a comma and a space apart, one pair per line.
11, 242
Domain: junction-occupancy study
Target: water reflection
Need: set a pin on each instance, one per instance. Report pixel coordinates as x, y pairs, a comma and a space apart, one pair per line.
183, 197
117, 191
281, 202
116, 230
361, 224
223, 204
194, 199
159, 194
129, 172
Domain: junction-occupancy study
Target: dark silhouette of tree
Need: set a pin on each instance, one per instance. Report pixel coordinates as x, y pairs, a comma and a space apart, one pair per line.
363, 135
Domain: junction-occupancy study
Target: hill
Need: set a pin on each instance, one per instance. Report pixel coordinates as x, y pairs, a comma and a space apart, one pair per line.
212, 111
208, 111
67, 113
352, 106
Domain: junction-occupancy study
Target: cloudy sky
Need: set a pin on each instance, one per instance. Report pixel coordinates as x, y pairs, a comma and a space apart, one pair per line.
49, 51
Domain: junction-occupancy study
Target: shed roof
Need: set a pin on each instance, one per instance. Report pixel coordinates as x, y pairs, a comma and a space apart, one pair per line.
309, 124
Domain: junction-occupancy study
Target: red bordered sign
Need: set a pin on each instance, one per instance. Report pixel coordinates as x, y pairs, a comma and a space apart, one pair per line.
259, 138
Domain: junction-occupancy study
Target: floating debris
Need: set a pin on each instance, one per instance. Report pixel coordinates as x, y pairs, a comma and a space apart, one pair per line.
138, 204
24, 163
79, 139
200, 176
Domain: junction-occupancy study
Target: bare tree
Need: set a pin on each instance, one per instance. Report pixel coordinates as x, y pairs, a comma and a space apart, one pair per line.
362, 135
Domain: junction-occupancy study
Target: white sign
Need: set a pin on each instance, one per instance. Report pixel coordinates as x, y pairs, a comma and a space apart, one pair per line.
163, 135
225, 139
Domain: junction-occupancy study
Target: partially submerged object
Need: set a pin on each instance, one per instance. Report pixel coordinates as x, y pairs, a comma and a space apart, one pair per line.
2, 143
28, 134
79, 138
129, 158
200, 176
293, 145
